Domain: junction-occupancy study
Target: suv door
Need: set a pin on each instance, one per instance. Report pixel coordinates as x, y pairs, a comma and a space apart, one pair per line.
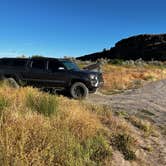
57, 74
37, 73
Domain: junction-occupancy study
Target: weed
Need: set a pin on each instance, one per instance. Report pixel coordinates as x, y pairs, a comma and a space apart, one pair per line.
97, 148
45, 104
142, 124
122, 114
148, 112
125, 143
3, 102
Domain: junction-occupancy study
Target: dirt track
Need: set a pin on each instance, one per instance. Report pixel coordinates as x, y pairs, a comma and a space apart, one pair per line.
148, 101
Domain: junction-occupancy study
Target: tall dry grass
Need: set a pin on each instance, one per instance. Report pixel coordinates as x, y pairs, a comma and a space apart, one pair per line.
37, 128
40, 129
120, 77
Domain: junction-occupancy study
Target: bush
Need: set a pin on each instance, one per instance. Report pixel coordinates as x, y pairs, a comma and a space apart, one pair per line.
97, 148
43, 103
125, 144
116, 61
3, 102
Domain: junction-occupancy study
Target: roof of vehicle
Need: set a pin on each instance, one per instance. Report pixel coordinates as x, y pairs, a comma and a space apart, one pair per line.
13, 58
46, 58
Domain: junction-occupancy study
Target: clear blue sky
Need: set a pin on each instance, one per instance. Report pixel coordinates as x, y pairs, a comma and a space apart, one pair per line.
74, 27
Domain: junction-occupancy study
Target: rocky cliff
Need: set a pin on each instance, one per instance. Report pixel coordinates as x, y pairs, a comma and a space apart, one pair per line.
146, 46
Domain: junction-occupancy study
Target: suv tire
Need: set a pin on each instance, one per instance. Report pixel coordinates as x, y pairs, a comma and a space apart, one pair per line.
79, 90
11, 82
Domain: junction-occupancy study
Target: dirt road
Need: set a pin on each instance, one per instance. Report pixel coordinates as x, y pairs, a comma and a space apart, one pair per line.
148, 101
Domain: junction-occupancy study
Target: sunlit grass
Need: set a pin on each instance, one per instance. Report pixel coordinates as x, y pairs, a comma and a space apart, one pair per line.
37, 128
117, 77
40, 129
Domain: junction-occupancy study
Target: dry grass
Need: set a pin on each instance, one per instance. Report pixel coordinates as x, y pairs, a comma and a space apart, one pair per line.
118, 77
143, 125
37, 128
40, 129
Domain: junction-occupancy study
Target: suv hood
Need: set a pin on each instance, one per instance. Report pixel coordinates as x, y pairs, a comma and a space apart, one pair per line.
85, 72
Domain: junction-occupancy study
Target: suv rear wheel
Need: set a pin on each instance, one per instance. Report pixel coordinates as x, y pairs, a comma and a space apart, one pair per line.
11, 82
79, 90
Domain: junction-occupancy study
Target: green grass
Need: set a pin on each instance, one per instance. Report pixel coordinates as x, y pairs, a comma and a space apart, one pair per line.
44, 104
97, 149
125, 143
3, 102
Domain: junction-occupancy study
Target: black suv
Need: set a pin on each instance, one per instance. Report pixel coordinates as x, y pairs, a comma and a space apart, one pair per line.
57, 74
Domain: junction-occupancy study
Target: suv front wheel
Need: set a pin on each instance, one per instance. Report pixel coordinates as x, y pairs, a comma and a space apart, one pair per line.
79, 90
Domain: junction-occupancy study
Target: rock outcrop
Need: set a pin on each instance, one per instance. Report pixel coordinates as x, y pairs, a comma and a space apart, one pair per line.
146, 47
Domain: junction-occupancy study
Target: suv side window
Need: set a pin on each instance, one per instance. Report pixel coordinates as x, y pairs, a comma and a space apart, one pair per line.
38, 64
54, 66
19, 62
6, 62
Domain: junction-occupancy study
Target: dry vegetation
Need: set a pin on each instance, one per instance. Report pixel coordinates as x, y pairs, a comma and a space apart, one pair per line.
37, 128
121, 77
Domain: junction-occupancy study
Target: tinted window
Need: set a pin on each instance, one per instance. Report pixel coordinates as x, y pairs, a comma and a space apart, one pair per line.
38, 64
6, 62
54, 66
70, 65
13, 62
19, 62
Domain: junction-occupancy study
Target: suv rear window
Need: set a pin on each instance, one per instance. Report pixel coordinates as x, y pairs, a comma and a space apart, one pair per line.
13, 62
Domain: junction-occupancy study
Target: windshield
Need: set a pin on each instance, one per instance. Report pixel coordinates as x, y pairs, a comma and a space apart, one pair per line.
70, 65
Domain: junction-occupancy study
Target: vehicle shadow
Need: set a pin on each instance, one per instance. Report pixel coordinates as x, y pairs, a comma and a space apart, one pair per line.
56, 92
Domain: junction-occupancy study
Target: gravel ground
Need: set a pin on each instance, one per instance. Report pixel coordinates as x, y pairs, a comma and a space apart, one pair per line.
148, 101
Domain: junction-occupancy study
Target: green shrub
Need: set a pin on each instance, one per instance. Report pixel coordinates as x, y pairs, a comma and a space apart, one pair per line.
44, 104
125, 144
3, 102
97, 149
116, 61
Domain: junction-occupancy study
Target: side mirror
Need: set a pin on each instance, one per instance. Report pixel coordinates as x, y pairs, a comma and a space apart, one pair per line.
61, 68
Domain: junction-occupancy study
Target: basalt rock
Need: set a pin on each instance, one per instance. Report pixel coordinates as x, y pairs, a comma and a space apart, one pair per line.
147, 47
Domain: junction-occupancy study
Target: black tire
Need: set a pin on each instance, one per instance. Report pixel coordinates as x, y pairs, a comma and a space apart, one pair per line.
79, 90
11, 82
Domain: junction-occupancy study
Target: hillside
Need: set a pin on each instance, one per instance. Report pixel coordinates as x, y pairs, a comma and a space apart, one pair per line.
37, 128
146, 47
40, 129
